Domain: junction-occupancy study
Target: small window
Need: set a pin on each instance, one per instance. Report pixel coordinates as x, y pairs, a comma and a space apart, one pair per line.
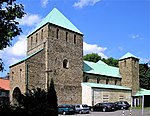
66, 36
97, 80
31, 40
36, 37
107, 81
124, 63
42, 34
105, 98
65, 63
74, 39
115, 82
57, 36
12, 75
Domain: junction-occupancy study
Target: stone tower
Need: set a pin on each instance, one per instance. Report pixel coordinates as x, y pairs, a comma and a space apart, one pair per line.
54, 50
129, 70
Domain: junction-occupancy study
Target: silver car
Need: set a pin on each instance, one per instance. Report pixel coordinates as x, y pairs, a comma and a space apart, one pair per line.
82, 108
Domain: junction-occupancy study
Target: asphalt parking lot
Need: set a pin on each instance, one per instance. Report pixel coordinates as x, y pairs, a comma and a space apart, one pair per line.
134, 112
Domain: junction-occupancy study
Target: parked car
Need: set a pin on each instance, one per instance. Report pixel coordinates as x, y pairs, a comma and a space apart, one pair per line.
66, 109
106, 106
82, 108
122, 105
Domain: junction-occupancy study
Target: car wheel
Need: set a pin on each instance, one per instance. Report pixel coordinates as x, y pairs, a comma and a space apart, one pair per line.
64, 113
104, 109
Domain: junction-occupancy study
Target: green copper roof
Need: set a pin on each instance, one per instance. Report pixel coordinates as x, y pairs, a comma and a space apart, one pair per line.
26, 58
57, 18
142, 92
100, 68
128, 55
106, 86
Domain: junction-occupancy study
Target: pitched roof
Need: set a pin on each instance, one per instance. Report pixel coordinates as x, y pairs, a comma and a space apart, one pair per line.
142, 92
26, 58
106, 86
128, 55
4, 84
57, 18
100, 68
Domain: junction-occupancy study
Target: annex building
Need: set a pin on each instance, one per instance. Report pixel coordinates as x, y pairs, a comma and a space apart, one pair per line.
55, 50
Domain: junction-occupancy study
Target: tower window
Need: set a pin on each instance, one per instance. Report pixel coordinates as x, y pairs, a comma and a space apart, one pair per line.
36, 37
65, 63
31, 40
57, 33
66, 36
12, 75
42, 34
124, 62
74, 39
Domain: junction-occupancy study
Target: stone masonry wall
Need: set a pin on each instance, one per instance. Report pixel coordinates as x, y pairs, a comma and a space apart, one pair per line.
36, 71
101, 79
129, 70
37, 39
17, 78
67, 79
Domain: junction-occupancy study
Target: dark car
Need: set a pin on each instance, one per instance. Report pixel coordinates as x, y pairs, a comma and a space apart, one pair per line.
120, 105
82, 108
106, 106
66, 109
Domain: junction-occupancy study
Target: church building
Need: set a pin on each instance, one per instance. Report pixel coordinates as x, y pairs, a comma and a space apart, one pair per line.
55, 50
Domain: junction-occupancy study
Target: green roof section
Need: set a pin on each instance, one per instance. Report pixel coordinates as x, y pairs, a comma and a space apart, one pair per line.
26, 58
142, 92
57, 18
100, 68
128, 55
106, 86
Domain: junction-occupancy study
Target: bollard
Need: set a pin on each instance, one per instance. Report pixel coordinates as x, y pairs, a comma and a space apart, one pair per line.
123, 112
130, 112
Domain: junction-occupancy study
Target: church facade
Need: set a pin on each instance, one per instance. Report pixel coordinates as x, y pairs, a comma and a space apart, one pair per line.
55, 50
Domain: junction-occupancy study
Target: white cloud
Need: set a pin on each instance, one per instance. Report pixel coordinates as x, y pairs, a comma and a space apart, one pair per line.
30, 20
93, 48
83, 3
135, 36
44, 3
19, 48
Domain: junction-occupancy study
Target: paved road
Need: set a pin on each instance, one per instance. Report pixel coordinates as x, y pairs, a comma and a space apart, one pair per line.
135, 112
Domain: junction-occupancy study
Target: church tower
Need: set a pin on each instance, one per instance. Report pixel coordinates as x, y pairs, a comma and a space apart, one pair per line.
63, 47
54, 50
129, 70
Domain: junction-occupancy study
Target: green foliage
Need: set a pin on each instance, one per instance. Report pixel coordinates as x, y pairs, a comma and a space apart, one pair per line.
10, 12
95, 58
35, 103
111, 61
144, 75
92, 57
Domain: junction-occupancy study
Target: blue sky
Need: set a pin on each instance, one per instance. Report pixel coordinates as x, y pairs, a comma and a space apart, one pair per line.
111, 27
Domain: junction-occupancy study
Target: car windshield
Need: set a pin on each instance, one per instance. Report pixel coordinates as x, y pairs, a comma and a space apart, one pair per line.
84, 105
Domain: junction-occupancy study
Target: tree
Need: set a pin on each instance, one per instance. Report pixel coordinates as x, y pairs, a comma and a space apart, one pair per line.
111, 61
92, 57
10, 12
144, 76
52, 99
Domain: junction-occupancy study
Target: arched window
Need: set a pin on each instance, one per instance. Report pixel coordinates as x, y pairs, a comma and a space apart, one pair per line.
65, 63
